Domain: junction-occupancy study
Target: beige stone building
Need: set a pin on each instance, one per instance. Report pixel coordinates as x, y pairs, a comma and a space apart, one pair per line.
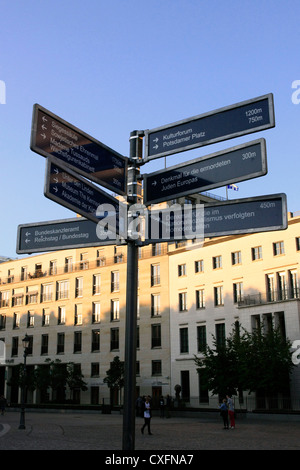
72, 304
249, 278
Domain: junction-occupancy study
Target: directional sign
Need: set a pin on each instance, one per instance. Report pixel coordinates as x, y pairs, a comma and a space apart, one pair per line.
52, 136
65, 187
218, 169
223, 124
235, 217
60, 235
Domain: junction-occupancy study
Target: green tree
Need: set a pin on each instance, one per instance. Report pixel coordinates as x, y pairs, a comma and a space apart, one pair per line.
115, 376
256, 362
269, 361
75, 378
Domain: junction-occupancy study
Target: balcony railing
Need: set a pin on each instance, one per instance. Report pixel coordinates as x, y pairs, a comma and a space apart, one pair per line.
269, 297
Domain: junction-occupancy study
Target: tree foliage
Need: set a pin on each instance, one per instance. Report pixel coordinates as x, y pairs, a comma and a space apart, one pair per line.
115, 375
254, 361
53, 374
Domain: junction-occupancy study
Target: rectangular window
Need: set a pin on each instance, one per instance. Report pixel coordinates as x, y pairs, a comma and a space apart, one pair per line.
217, 262
218, 296
201, 338
156, 249
44, 344
46, 317
4, 298
77, 341
181, 270
78, 314
236, 258
199, 266
156, 367
32, 295
15, 346
96, 284
182, 301
220, 334
30, 319
17, 297
238, 292
95, 340
24, 273
47, 292
62, 290
282, 286
60, 343
200, 298
270, 287
118, 257
79, 287
115, 281
293, 280
155, 274
155, 336
155, 305
61, 315
2, 321
84, 264
115, 310
298, 243
96, 312
184, 340
95, 369
68, 264
256, 253
278, 248
30, 347
100, 258
16, 322
53, 267
114, 339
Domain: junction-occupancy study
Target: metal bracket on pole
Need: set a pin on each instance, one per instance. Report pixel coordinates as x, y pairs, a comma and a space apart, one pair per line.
134, 196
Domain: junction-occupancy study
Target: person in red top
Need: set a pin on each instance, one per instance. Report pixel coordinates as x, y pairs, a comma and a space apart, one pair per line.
231, 411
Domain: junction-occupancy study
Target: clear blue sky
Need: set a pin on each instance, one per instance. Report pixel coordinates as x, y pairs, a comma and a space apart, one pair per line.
110, 67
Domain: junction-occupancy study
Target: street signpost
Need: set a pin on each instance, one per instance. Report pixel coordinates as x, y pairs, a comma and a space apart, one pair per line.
73, 156
60, 235
225, 123
218, 169
65, 187
234, 217
52, 136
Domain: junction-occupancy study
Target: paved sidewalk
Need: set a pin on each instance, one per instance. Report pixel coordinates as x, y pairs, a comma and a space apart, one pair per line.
93, 431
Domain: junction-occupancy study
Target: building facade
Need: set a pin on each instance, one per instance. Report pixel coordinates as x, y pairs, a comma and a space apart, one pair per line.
72, 304
252, 279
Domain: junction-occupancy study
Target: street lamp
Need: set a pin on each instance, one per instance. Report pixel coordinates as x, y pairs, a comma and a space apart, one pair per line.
25, 342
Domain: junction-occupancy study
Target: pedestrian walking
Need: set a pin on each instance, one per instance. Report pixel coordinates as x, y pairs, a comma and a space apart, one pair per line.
224, 413
147, 416
230, 405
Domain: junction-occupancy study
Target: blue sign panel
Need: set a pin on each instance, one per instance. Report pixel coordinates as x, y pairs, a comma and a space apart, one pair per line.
230, 166
52, 136
60, 235
235, 217
223, 124
77, 194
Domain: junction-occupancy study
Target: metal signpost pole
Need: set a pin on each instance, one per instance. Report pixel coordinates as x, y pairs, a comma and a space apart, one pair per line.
131, 301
